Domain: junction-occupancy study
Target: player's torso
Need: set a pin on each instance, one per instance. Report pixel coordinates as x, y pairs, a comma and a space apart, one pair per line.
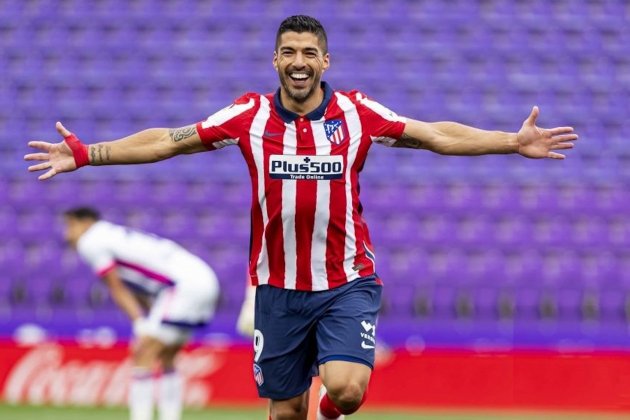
330, 149
144, 261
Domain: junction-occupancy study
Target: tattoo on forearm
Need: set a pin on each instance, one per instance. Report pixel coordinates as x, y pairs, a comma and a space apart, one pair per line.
179, 134
99, 154
409, 142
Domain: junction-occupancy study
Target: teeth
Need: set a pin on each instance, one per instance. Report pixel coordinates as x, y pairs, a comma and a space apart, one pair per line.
299, 76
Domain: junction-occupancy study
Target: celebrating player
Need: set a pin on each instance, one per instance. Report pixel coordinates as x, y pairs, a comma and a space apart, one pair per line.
311, 257
178, 288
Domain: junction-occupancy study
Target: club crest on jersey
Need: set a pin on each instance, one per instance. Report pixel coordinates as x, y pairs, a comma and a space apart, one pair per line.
335, 131
315, 167
258, 375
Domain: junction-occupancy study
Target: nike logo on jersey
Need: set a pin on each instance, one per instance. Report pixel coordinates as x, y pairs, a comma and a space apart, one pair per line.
271, 134
366, 345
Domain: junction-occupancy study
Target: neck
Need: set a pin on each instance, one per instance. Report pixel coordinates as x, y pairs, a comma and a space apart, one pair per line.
302, 108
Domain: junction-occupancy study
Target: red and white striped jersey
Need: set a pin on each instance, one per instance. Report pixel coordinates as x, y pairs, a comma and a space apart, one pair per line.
307, 229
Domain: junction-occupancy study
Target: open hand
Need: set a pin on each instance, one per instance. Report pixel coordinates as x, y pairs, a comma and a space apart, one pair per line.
536, 143
55, 157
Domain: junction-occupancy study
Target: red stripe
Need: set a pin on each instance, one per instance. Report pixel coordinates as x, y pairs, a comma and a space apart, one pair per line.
256, 213
336, 235
306, 203
106, 270
146, 272
360, 226
273, 188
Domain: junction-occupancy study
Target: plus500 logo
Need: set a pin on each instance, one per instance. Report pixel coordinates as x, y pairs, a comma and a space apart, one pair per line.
305, 167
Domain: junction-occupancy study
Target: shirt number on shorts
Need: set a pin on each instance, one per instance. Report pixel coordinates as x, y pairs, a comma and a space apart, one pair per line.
259, 342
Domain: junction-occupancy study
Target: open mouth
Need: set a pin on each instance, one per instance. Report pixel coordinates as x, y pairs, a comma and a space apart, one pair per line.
299, 78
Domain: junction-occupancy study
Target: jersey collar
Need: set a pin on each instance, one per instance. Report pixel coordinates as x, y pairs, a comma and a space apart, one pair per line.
316, 114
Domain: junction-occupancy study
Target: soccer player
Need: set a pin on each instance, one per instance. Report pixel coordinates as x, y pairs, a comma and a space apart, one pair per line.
143, 271
311, 256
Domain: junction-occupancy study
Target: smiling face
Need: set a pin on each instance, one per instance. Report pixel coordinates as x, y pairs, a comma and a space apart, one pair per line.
300, 61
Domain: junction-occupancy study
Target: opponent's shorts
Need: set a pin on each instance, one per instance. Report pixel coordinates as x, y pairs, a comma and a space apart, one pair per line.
296, 331
177, 310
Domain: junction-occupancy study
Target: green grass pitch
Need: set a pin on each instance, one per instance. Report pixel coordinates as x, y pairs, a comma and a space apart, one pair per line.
26, 412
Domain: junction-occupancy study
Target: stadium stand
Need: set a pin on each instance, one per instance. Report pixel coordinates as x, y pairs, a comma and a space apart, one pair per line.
477, 250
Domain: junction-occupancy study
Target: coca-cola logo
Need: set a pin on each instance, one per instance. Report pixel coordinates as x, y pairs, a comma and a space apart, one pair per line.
47, 374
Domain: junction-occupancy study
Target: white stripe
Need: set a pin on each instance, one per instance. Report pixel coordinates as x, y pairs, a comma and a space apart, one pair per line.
322, 213
226, 114
384, 113
289, 194
355, 132
222, 143
256, 135
381, 110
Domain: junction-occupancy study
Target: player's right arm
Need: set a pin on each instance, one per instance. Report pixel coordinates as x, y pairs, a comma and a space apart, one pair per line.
122, 296
146, 146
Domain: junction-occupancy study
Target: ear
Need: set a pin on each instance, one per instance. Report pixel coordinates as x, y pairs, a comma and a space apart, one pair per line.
326, 62
275, 60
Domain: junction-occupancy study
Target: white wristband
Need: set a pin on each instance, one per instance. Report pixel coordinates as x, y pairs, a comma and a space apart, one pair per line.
140, 326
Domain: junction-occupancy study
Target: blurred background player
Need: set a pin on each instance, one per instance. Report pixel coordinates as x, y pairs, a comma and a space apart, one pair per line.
165, 290
311, 256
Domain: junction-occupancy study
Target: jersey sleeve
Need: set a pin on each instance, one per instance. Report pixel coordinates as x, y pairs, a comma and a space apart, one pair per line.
225, 127
97, 256
382, 124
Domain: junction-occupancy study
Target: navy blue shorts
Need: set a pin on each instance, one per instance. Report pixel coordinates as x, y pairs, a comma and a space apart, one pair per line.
297, 331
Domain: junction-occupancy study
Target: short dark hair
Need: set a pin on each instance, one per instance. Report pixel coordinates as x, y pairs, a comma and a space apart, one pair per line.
83, 213
303, 23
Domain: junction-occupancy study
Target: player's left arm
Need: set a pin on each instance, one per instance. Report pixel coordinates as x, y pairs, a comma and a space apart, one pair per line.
450, 138
122, 296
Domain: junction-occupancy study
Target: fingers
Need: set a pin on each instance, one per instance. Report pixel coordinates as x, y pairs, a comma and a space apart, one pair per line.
560, 130
47, 175
533, 116
554, 155
565, 137
41, 145
39, 167
62, 130
37, 156
561, 146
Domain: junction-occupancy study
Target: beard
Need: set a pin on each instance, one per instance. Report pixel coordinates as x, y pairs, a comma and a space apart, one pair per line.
299, 95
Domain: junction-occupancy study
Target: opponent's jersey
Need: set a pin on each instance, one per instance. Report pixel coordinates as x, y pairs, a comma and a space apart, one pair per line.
307, 229
145, 262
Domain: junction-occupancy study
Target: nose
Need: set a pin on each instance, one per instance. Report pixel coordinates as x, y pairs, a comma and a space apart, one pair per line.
299, 60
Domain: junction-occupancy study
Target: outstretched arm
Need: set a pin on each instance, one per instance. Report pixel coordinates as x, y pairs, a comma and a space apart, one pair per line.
449, 138
146, 146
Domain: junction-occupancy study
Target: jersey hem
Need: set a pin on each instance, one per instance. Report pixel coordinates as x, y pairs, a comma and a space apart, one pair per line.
345, 358
254, 282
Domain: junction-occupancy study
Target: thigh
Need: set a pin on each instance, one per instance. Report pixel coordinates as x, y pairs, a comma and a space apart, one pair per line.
284, 344
167, 355
165, 321
146, 351
347, 330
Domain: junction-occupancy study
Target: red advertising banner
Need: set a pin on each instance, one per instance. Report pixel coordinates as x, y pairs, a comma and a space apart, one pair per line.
67, 373
71, 374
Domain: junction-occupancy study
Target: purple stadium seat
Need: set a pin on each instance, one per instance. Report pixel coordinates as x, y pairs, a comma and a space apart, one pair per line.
465, 232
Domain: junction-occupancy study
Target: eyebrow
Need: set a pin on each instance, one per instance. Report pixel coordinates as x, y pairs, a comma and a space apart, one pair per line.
307, 49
